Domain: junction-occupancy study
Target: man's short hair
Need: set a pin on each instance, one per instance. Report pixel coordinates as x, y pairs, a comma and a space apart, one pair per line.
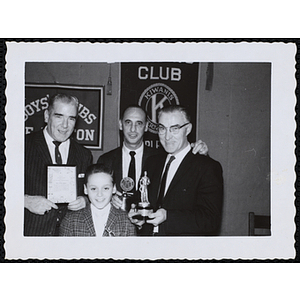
174, 108
63, 98
133, 106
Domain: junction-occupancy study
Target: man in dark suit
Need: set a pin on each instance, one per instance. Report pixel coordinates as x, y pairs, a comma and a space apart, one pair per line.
133, 124
186, 190
50, 146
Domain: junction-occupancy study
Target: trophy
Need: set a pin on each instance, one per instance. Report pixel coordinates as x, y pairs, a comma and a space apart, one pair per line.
144, 207
127, 185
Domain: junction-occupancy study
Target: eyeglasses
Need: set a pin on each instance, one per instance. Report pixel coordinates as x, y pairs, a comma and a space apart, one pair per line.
173, 129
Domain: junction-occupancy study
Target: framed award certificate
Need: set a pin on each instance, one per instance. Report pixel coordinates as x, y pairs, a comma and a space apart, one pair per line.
62, 185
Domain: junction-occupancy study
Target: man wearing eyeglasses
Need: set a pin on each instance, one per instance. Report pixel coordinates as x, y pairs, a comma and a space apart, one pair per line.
186, 190
133, 124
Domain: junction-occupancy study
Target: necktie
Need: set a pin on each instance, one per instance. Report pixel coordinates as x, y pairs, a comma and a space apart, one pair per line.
163, 183
131, 170
58, 159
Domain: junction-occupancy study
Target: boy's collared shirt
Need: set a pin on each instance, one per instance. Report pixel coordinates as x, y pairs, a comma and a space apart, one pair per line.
100, 217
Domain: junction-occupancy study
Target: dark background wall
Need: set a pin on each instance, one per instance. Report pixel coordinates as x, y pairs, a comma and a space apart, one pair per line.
233, 119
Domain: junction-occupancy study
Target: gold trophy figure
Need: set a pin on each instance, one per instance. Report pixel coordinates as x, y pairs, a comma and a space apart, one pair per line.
144, 208
144, 182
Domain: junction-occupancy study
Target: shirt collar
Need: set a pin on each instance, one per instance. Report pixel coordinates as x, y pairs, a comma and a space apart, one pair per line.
101, 213
49, 139
137, 151
180, 155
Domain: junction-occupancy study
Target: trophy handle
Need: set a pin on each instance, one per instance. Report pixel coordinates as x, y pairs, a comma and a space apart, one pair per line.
124, 201
124, 198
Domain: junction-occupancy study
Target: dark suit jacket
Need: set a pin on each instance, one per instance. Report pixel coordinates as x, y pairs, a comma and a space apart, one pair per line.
37, 158
194, 198
113, 159
80, 223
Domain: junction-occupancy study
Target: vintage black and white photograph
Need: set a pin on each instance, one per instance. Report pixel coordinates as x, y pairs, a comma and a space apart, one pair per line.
150, 151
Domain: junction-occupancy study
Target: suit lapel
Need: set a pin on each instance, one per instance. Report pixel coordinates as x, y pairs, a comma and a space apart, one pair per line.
109, 227
156, 177
71, 155
118, 166
42, 147
147, 152
88, 220
160, 168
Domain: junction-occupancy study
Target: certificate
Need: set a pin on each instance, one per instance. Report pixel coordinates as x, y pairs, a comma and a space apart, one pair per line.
62, 184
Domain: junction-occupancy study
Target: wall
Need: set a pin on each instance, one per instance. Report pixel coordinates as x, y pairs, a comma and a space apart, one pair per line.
84, 74
234, 120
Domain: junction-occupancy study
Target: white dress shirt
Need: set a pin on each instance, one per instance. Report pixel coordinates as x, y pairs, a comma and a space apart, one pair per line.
126, 158
175, 164
63, 147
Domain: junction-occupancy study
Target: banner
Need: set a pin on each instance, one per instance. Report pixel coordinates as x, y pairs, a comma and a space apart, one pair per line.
158, 84
89, 125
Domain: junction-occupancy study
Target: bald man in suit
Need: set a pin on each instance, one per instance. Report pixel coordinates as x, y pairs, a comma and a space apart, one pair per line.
133, 124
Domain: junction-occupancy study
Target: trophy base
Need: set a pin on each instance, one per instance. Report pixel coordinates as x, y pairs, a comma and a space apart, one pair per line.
144, 209
141, 218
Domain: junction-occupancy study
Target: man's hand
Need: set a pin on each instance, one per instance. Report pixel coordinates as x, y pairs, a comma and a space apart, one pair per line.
77, 204
199, 147
158, 217
133, 212
116, 201
38, 204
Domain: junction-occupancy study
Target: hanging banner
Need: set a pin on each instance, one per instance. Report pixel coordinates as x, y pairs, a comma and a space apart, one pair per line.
158, 84
89, 124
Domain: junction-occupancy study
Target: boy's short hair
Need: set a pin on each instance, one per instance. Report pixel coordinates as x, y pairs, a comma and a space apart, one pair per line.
98, 168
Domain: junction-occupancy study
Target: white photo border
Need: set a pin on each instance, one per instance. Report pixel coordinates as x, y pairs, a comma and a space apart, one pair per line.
280, 245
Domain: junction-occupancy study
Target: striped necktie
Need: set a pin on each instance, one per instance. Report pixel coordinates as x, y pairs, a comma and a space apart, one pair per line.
58, 159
